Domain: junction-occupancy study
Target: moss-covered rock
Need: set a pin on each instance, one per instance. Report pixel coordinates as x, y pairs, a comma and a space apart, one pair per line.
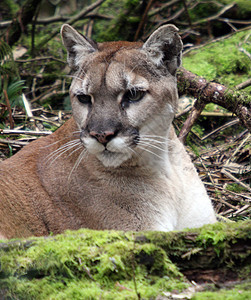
88, 264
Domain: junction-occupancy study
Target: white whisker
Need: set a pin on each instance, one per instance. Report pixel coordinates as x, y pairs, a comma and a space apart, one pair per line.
147, 150
150, 145
77, 163
81, 146
75, 77
64, 148
59, 154
155, 136
74, 132
152, 140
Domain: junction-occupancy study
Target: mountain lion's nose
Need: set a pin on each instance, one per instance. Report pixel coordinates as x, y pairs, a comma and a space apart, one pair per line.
103, 137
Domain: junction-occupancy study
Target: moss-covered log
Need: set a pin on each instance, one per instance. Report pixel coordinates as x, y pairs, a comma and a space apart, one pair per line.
90, 264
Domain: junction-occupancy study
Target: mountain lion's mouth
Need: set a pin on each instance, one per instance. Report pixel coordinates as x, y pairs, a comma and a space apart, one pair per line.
109, 153
112, 159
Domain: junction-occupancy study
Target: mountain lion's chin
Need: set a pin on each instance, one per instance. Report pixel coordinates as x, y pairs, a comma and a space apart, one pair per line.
112, 159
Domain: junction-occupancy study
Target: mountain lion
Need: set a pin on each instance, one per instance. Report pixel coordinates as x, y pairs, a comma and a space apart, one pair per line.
117, 164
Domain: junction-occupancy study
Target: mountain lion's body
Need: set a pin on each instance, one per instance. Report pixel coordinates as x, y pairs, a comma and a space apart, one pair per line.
117, 164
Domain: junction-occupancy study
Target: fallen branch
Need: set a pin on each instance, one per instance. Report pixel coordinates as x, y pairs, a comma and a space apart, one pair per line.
191, 84
56, 19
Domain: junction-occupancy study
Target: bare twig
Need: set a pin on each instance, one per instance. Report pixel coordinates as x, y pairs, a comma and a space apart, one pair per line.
193, 116
163, 7
40, 58
216, 16
143, 19
231, 123
23, 132
13, 143
228, 174
243, 85
9, 108
56, 19
71, 21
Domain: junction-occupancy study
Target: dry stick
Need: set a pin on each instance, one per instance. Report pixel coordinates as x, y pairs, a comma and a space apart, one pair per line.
243, 85
241, 210
71, 21
229, 124
229, 175
206, 92
9, 108
216, 189
237, 150
23, 132
234, 21
163, 7
57, 19
13, 143
193, 116
143, 19
223, 190
214, 17
40, 58
187, 13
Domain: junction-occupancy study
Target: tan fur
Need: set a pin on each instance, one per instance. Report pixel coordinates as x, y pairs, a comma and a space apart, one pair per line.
117, 164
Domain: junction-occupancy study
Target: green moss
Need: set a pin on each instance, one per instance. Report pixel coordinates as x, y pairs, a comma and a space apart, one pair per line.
222, 61
90, 264
240, 292
87, 264
235, 187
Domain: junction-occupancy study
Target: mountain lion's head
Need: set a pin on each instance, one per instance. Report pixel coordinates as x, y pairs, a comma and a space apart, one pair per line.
123, 94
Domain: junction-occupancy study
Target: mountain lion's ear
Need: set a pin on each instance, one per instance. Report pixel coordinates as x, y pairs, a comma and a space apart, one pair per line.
164, 46
77, 45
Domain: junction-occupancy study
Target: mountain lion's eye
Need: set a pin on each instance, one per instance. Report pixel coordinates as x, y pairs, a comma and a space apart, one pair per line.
133, 96
85, 99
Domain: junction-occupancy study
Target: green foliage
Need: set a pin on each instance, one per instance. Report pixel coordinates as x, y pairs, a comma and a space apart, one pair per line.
9, 76
223, 61
126, 14
8, 66
8, 9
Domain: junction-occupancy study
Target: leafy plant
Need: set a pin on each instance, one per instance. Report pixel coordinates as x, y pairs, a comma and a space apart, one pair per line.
9, 76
